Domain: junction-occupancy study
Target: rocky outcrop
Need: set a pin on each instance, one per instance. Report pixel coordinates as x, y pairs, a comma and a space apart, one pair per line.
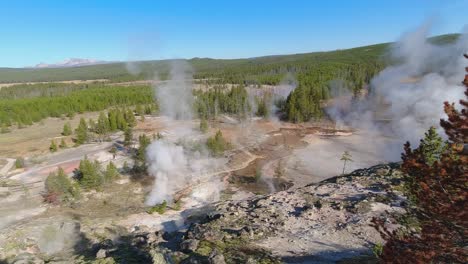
318, 223
326, 222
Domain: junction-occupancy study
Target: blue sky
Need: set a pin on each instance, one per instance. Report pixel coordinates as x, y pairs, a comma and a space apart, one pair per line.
50, 31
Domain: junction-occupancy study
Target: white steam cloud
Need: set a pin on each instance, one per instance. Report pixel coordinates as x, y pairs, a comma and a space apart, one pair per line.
169, 165
175, 95
408, 97
273, 94
179, 161
57, 237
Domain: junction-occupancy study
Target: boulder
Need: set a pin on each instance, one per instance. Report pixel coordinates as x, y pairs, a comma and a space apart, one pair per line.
101, 254
189, 245
216, 257
158, 257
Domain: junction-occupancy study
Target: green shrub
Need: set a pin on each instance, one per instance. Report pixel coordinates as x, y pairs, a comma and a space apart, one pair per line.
67, 129
177, 205
53, 146
59, 187
82, 132
217, 144
141, 151
159, 208
111, 172
128, 136
89, 174
19, 163
377, 249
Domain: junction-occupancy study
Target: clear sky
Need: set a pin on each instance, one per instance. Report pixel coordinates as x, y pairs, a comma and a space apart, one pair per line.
51, 31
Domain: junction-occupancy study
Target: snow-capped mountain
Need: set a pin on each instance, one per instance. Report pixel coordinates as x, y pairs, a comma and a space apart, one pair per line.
71, 62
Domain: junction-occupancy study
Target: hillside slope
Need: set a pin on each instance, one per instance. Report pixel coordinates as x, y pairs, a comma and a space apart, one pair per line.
268, 69
326, 222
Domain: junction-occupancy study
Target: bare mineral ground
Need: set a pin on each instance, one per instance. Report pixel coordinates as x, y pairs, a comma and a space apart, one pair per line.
266, 157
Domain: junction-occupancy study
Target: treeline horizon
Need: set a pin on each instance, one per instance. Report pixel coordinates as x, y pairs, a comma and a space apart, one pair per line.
256, 70
25, 104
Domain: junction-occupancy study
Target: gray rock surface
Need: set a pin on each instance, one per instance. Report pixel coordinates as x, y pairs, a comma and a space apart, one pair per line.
318, 223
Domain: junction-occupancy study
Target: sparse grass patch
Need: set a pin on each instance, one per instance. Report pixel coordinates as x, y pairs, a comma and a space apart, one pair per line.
177, 205
19, 163
159, 208
377, 249
205, 248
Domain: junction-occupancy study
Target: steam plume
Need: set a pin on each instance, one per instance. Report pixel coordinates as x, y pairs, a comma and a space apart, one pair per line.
412, 91
175, 96
175, 163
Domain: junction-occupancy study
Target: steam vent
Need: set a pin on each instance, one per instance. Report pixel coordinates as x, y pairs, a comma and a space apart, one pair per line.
230, 132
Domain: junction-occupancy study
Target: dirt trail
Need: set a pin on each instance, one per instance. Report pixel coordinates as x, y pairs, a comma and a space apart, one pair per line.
4, 170
234, 166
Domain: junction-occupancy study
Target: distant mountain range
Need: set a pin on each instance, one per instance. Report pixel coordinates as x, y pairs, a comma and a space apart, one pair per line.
71, 62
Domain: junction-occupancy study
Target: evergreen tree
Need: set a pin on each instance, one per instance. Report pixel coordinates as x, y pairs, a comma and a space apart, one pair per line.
53, 146
19, 163
130, 118
59, 188
217, 144
67, 129
345, 157
89, 174
111, 172
291, 108
203, 125
456, 124
234, 101
92, 125
81, 132
26, 104
140, 111
102, 126
128, 136
121, 122
262, 107
112, 116
144, 141
438, 189
432, 146
148, 110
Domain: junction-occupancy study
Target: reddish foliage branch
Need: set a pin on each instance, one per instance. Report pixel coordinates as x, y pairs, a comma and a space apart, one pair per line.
440, 192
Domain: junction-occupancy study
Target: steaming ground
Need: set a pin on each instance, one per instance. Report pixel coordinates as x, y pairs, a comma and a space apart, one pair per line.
320, 159
411, 93
264, 140
267, 156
